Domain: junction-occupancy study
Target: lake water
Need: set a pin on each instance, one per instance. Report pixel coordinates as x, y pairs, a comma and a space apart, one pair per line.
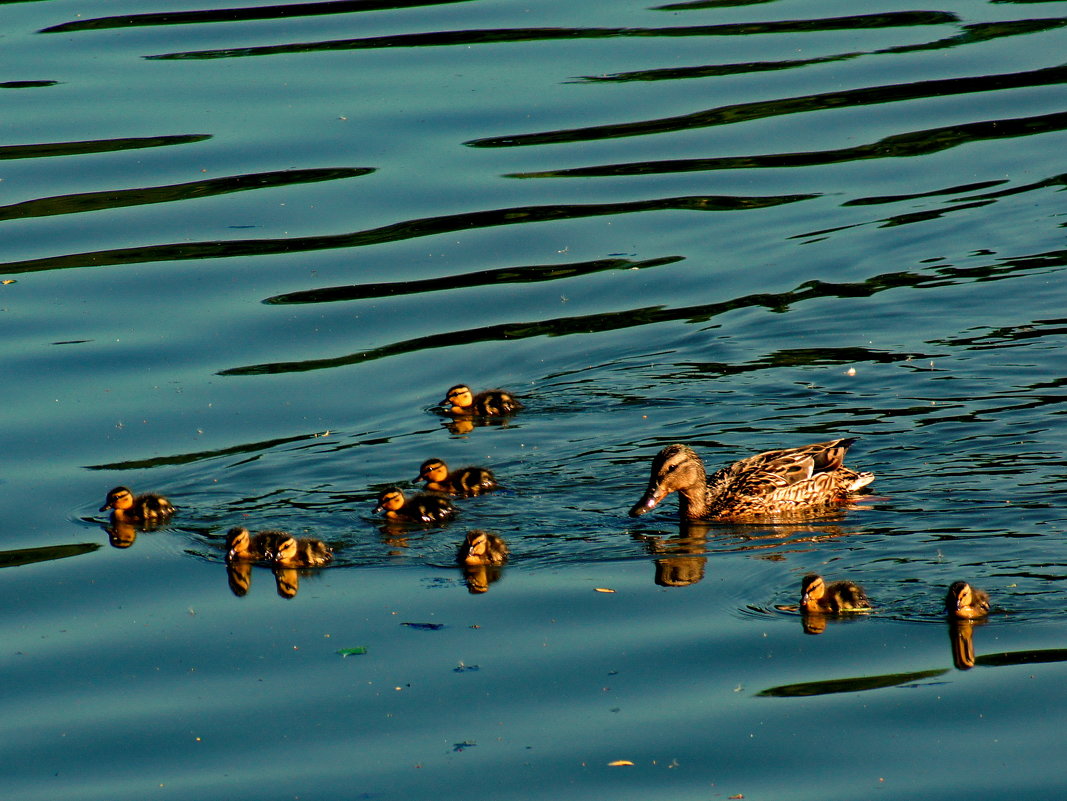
245, 252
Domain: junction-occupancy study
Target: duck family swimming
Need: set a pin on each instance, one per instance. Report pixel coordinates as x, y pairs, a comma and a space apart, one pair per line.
784, 482
463, 481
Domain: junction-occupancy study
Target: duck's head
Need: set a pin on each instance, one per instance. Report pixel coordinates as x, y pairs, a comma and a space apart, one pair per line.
389, 500
119, 499
238, 542
433, 470
285, 550
812, 588
459, 396
675, 467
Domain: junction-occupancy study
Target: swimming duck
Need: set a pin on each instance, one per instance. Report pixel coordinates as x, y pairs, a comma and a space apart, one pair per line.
966, 601
420, 508
242, 545
146, 508
464, 481
839, 596
789, 481
482, 548
304, 552
491, 403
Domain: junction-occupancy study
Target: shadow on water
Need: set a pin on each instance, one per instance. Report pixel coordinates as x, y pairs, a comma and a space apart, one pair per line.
48, 553
96, 146
917, 143
508, 275
408, 229
468, 38
231, 15
118, 198
615, 321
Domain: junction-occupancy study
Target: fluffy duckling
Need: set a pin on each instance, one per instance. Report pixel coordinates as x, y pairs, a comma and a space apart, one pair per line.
304, 552
491, 403
243, 546
130, 508
839, 596
464, 481
420, 508
966, 602
482, 548
789, 481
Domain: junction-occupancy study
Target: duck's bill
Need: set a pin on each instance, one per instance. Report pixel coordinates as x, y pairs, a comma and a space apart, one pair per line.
646, 504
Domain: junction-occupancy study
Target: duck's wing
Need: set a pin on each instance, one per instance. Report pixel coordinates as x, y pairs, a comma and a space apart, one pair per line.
823, 457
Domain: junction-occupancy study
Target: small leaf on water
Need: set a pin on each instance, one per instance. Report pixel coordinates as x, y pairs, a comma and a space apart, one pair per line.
359, 650
424, 626
602, 589
618, 763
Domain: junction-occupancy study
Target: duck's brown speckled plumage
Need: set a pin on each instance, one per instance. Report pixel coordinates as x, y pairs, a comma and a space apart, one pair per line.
482, 548
461, 402
129, 508
965, 601
420, 508
838, 596
463, 481
303, 552
786, 482
243, 546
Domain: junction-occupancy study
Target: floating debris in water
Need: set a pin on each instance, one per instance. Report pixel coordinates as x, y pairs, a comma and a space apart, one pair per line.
359, 650
461, 668
619, 763
424, 626
602, 589
463, 745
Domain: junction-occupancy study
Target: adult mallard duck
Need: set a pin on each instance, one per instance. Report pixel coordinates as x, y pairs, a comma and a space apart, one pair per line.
420, 508
785, 482
461, 402
243, 546
303, 552
129, 508
965, 601
464, 481
482, 548
839, 596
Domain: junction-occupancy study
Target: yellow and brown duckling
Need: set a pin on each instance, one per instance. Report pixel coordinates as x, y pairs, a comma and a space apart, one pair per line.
464, 481
786, 482
461, 402
303, 552
129, 508
482, 548
965, 601
243, 546
419, 508
838, 596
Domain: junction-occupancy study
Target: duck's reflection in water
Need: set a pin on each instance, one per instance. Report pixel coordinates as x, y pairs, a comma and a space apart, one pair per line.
683, 559
286, 579
961, 637
120, 534
481, 556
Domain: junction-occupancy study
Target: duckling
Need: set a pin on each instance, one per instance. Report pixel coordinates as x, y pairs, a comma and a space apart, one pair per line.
464, 481
304, 552
128, 508
420, 508
790, 481
482, 548
242, 545
491, 403
966, 602
839, 596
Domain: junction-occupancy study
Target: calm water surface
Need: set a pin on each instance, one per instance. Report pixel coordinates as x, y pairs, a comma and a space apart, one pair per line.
245, 252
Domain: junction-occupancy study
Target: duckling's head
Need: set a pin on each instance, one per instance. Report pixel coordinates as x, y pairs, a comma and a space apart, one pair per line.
119, 499
676, 467
964, 600
459, 396
475, 549
812, 588
238, 541
286, 550
433, 470
390, 500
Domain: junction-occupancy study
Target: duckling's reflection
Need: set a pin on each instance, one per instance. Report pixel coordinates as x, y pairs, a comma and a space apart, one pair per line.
481, 556
121, 534
286, 579
961, 636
